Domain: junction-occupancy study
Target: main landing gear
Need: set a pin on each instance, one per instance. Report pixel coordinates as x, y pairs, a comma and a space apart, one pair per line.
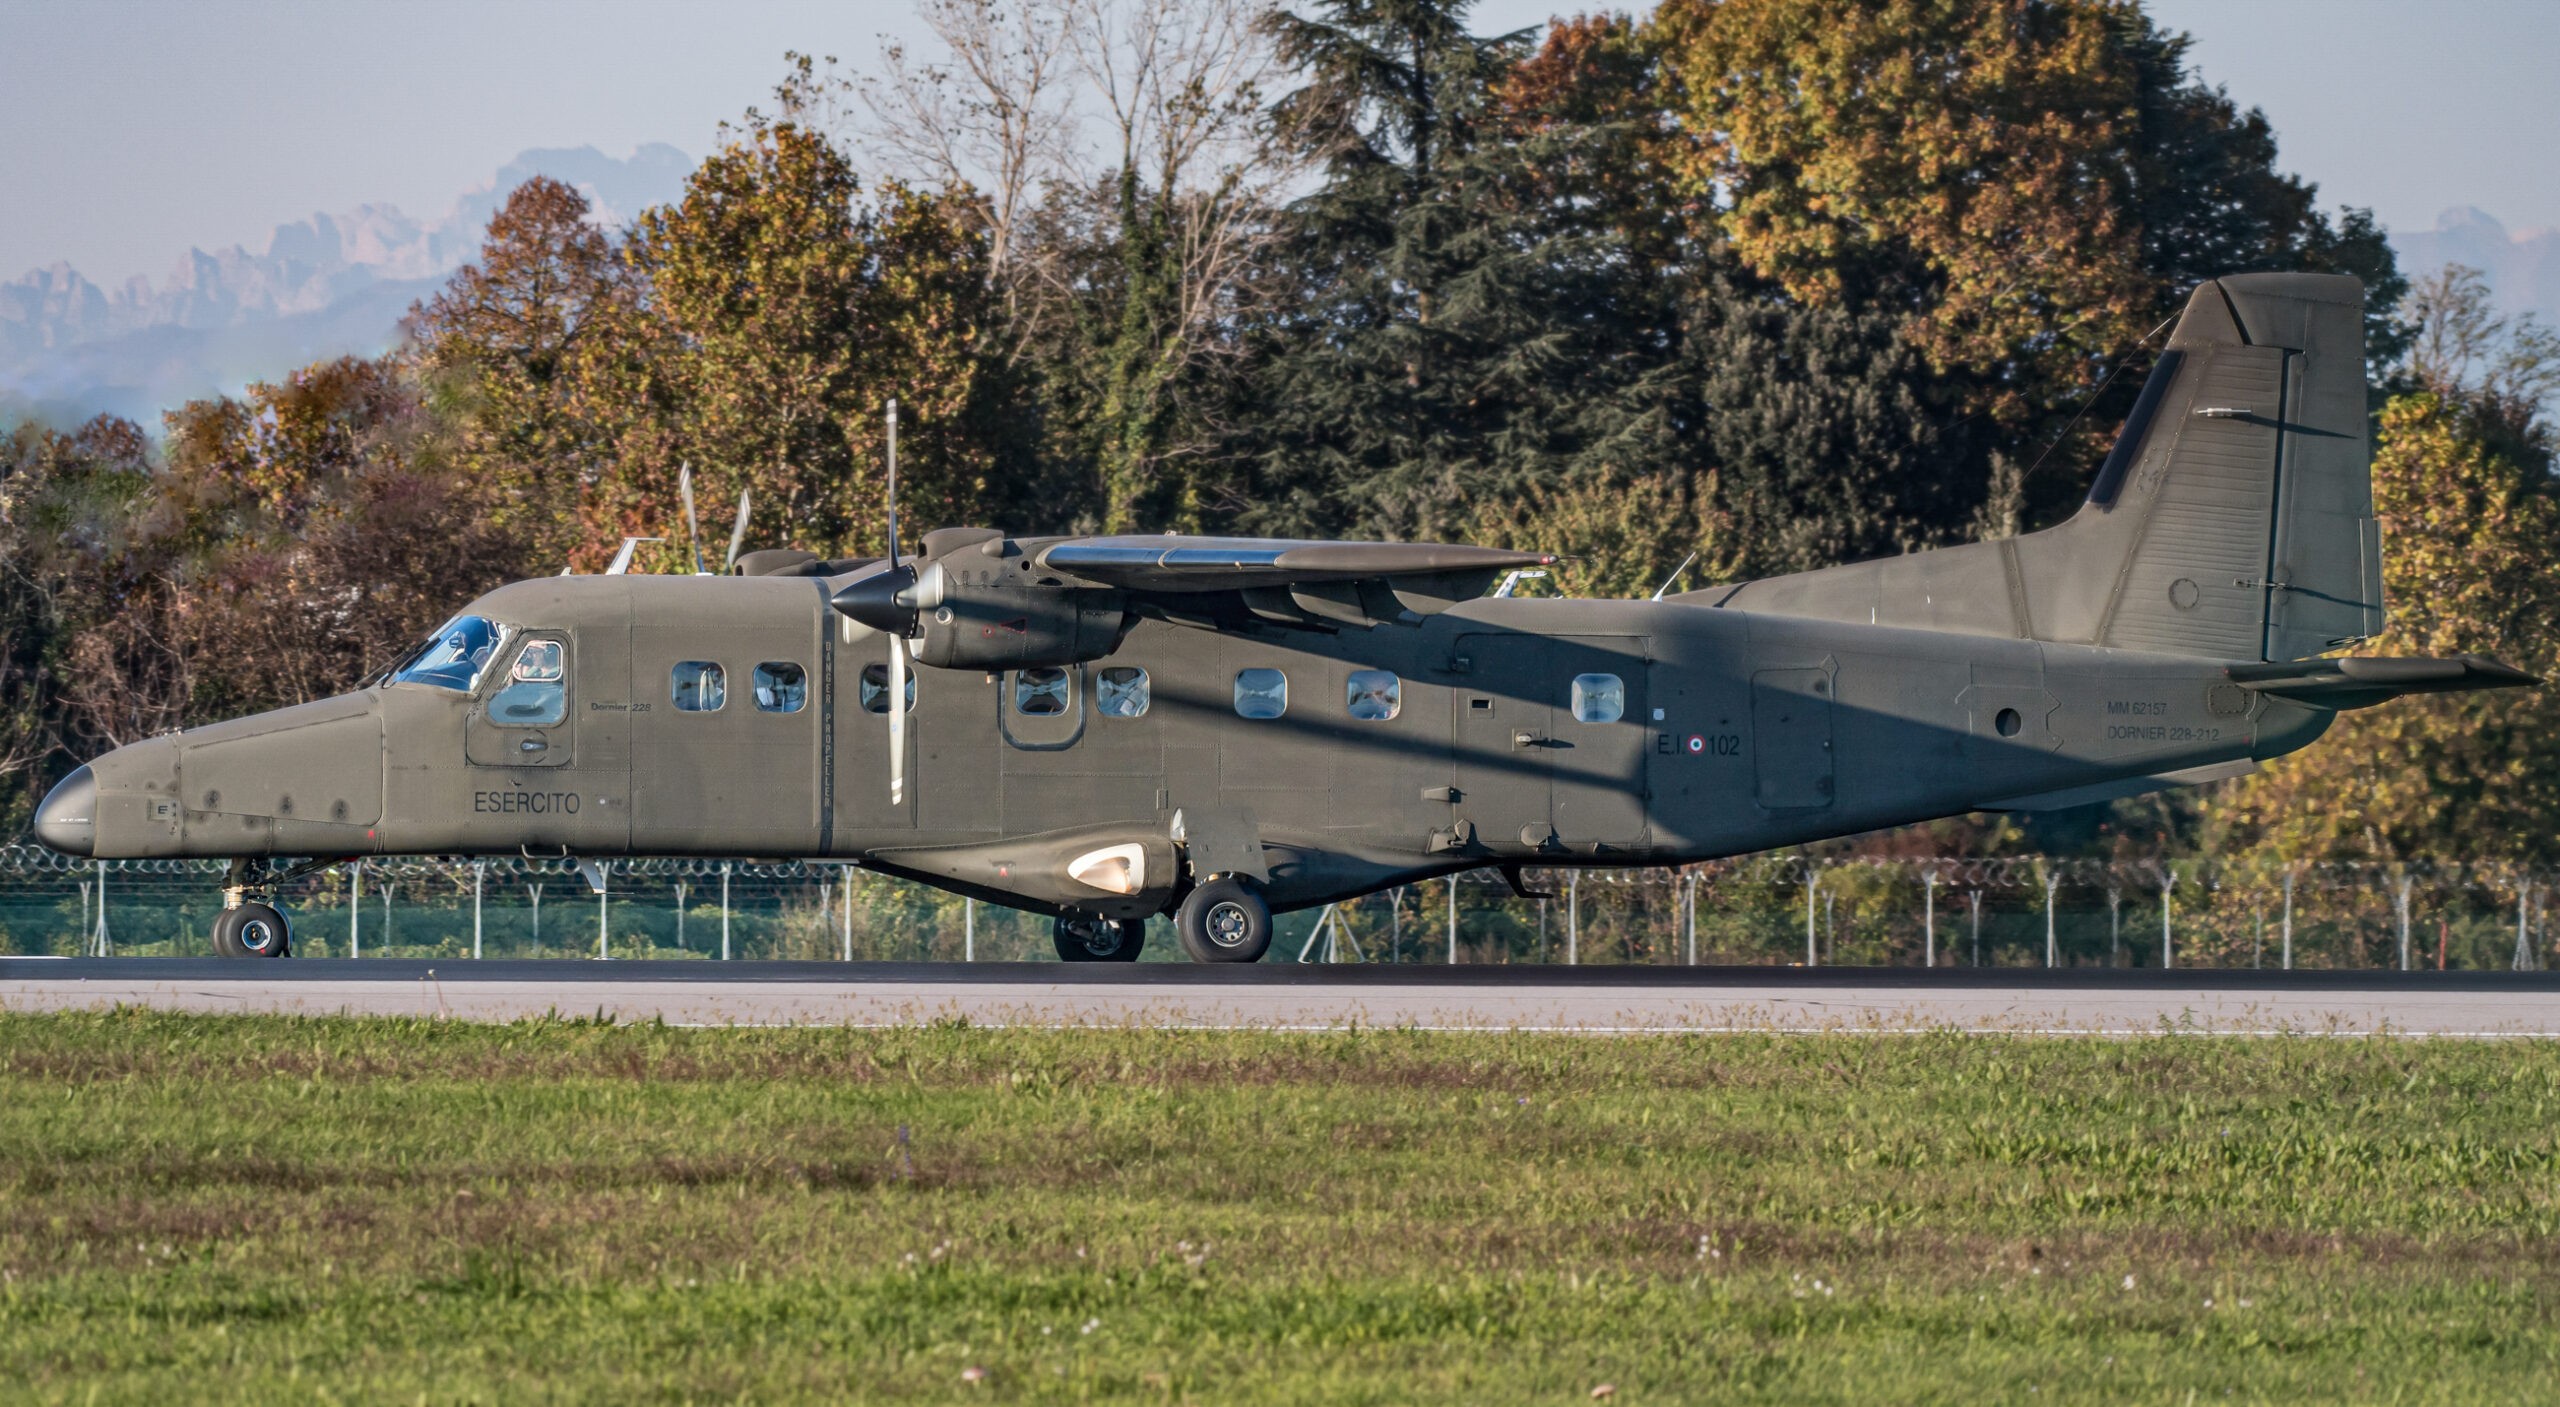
1082, 939
251, 925
1224, 920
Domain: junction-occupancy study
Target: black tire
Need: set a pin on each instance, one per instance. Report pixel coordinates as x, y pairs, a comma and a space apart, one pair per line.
1098, 940
1224, 921
252, 931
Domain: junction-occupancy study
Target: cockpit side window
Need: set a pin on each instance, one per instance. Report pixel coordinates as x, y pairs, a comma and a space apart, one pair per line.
455, 655
536, 694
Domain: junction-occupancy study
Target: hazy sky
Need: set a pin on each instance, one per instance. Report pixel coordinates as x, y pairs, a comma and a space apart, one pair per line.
136, 128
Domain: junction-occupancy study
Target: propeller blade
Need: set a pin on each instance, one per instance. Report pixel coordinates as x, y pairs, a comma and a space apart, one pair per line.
692, 524
897, 720
738, 534
893, 485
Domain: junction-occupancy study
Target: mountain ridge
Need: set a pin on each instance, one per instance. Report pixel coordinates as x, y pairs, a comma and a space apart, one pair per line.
328, 284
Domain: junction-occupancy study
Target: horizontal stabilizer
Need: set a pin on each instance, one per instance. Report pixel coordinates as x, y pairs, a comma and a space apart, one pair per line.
2362, 683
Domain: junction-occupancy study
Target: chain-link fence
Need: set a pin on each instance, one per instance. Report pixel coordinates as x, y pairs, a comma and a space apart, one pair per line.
1760, 909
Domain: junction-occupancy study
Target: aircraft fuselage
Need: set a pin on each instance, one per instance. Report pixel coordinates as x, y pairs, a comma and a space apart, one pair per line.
1581, 732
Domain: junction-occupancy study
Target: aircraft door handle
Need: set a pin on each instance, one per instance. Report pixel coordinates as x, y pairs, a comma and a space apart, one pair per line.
1525, 738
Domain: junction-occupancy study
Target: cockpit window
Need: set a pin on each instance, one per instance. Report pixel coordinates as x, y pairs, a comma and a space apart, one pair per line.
453, 657
537, 691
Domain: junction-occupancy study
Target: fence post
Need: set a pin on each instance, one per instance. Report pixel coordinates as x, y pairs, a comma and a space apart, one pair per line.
98, 936
1929, 918
386, 918
724, 910
1693, 918
1812, 882
2052, 947
1453, 920
604, 911
2168, 881
681, 887
536, 891
1976, 897
2524, 950
968, 930
1572, 917
2400, 904
355, 911
479, 872
848, 912
2258, 936
2286, 961
86, 930
2115, 926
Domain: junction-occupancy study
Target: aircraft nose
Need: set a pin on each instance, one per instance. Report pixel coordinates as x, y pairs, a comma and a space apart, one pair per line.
68, 819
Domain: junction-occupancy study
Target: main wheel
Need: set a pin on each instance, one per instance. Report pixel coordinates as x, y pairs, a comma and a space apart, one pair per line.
1224, 921
252, 931
1082, 939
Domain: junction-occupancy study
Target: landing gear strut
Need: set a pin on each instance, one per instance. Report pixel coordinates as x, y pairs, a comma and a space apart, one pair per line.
251, 925
1082, 939
1224, 921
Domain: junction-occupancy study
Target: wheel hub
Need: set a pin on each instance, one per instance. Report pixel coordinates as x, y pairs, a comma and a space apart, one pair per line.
1229, 924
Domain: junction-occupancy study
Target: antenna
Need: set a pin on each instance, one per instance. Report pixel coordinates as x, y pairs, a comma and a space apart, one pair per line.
893, 484
1674, 577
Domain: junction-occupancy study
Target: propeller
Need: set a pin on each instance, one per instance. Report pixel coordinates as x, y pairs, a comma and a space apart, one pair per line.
898, 637
692, 524
738, 534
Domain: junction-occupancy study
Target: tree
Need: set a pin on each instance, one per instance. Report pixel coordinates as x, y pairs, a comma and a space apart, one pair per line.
773, 318
2029, 188
1468, 319
504, 341
66, 505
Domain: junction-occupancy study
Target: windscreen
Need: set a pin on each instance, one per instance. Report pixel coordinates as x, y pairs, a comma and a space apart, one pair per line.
453, 657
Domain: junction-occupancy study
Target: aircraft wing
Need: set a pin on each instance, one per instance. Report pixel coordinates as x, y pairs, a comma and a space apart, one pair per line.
1286, 581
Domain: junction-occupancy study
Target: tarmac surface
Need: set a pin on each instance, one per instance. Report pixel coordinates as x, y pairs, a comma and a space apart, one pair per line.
1278, 996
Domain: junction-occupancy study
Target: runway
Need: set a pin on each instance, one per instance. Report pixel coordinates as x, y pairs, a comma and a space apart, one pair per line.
1290, 997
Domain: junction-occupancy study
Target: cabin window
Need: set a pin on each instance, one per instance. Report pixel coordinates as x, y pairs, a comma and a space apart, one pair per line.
1120, 691
781, 686
875, 689
1043, 691
537, 689
698, 686
1261, 693
453, 657
1599, 698
1373, 695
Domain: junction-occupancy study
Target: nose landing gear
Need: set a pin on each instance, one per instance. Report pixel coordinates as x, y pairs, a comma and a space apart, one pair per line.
1081, 939
251, 925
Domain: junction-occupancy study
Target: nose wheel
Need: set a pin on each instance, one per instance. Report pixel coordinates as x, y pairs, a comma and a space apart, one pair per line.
1082, 939
1224, 921
253, 930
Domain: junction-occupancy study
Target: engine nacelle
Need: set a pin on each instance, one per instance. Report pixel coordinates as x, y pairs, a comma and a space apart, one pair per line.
981, 612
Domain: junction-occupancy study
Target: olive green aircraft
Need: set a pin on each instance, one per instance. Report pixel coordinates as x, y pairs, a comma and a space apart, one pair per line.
1104, 729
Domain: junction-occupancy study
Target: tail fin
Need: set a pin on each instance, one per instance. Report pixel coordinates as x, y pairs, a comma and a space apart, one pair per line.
2233, 520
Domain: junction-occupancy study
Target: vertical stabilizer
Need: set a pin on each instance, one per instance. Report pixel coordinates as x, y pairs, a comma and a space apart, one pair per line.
2232, 520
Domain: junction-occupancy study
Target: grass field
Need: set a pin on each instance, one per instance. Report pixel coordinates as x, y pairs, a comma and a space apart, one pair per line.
204, 1209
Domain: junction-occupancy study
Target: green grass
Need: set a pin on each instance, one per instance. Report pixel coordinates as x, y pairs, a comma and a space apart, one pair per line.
204, 1209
